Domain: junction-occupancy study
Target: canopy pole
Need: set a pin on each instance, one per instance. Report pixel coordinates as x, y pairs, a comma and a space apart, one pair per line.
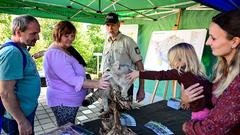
176, 26
113, 2
234, 4
99, 5
154, 91
40, 9
135, 11
81, 10
83, 5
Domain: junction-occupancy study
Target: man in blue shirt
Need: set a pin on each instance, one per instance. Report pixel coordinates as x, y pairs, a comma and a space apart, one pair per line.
19, 83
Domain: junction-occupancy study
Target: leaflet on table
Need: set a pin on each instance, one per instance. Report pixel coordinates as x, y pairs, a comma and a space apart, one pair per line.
158, 128
70, 129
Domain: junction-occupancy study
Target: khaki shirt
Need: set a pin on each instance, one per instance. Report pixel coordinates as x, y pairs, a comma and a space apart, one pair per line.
122, 49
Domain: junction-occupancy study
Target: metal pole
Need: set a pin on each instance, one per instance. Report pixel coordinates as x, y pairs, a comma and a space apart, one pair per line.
97, 65
98, 61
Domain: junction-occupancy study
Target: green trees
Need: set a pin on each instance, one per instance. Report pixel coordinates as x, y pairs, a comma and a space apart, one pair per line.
88, 40
5, 23
96, 39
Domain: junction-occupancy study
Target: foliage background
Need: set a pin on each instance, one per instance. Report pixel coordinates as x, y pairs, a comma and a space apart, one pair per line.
89, 39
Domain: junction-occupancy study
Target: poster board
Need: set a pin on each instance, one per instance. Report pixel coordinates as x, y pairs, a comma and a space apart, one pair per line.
161, 41
130, 30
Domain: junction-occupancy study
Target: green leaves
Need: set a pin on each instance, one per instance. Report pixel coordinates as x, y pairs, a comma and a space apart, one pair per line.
86, 42
5, 23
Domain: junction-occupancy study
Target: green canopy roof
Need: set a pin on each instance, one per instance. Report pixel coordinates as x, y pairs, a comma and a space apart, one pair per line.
93, 11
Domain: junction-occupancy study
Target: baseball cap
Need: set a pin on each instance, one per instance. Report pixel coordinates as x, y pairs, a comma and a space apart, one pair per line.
111, 18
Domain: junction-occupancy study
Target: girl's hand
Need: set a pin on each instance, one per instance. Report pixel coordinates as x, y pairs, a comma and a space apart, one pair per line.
132, 76
191, 94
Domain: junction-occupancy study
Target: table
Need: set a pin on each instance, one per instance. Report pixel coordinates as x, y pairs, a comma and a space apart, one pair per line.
158, 111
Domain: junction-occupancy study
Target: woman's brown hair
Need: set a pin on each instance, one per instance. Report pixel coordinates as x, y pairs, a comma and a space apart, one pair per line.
62, 28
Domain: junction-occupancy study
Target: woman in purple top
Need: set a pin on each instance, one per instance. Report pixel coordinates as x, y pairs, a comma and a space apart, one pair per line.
188, 71
65, 76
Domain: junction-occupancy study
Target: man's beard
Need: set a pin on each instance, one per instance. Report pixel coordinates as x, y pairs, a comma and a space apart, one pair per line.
113, 34
31, 43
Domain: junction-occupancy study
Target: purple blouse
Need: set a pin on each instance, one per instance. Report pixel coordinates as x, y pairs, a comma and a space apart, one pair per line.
64, 77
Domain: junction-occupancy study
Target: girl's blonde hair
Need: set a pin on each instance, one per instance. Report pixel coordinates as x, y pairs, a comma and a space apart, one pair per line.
225, 72
185, 56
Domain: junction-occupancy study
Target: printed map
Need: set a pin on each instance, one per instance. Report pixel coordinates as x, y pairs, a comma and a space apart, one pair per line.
162, 41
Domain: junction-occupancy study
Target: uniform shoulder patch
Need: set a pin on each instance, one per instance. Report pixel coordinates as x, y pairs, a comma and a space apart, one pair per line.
137, 50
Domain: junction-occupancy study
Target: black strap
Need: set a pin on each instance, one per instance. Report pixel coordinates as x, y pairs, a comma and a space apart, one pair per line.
76, 55
2, 108
23, 54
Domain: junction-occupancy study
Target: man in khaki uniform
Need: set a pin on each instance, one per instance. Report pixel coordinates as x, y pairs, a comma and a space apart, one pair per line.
123, 49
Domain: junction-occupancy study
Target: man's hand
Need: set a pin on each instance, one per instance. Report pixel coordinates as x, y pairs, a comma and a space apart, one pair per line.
132, 76
38, 54
25, 127
140, 94
11, 104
